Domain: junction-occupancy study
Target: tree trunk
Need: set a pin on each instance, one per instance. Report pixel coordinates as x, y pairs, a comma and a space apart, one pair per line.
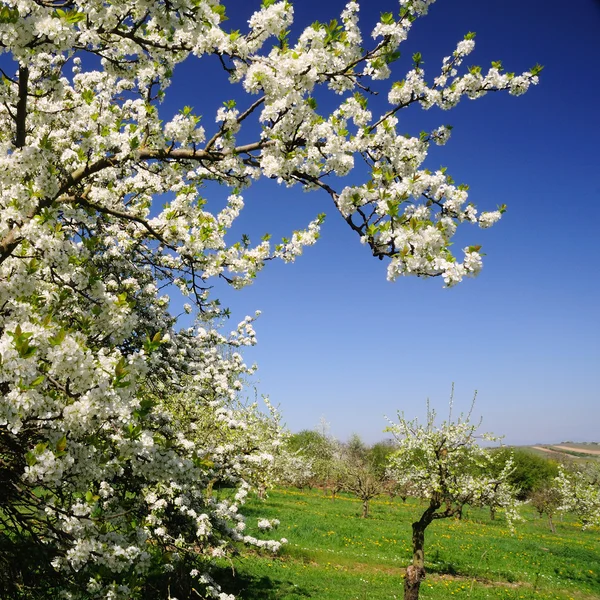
209, 488
551, 523
365, 509
415, 573
492, 513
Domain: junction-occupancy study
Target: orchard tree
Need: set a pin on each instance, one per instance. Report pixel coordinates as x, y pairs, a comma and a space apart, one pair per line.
547, 499
361, 474
103, 488
294, 469
445, 465
326, 456
579, 488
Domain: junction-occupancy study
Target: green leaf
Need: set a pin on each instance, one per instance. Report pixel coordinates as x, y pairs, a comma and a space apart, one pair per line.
89, 497
387, 18
88, 96
58, 338
146, 405
37, 381
71, 16
220, 10
391, 57
536, 69
150, 345
9, 15
122, 299
61, 444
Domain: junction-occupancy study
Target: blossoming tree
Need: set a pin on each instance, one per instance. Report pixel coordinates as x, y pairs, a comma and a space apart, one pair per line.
445, 465
101, 209
579, 490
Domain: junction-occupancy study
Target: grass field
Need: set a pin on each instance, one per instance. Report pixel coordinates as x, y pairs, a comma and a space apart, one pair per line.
560, 452
333, 554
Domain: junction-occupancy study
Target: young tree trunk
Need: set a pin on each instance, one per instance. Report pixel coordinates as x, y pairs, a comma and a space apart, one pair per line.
492, 513
551, 523
365, 509
261, 492
209, 487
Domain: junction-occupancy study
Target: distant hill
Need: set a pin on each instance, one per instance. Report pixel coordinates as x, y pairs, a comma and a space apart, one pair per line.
580, 450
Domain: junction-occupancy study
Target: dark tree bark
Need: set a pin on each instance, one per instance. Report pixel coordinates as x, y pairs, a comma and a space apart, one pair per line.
415, 573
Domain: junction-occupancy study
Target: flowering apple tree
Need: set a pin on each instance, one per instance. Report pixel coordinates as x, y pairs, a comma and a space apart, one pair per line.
445, 465
102, 213
579, 490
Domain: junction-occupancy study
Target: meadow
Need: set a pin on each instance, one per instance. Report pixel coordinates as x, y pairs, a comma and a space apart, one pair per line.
333, 554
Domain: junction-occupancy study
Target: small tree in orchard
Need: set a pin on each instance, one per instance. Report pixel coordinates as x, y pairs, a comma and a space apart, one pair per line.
379, 456
547, 500
103, 210
362, 475
317, 448
445, 465
579, 488
293, 469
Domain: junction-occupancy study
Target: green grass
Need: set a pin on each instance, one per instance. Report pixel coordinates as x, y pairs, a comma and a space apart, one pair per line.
333, 554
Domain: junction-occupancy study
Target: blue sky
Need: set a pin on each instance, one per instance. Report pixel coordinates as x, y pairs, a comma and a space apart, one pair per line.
337, 340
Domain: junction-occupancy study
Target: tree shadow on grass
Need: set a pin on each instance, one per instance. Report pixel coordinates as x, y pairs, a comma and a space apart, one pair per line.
251, 587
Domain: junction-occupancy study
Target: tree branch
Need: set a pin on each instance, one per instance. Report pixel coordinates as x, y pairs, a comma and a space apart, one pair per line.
21, 117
